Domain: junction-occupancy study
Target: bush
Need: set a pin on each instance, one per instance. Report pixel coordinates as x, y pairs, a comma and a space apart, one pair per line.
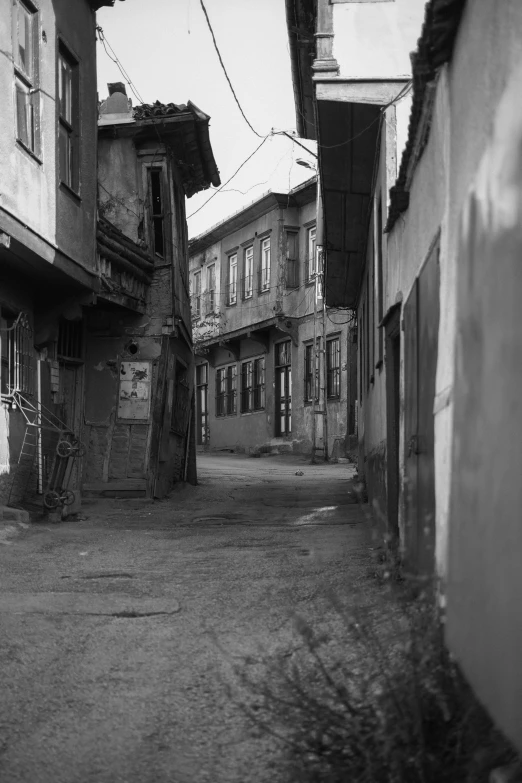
383, 703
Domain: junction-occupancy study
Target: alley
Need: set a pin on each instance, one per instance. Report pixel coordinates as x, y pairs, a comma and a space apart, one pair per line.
119, 629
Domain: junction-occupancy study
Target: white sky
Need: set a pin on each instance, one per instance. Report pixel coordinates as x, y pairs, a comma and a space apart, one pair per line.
166, 48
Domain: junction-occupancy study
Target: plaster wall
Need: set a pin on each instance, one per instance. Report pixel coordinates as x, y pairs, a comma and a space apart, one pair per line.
357, 26
30, 187
485, 535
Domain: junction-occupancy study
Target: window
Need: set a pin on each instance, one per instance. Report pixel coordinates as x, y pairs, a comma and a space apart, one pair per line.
70, 340
68, 131
202, 404
196, 296
283, 373
25, 58
253, 385
232, 279
157, 212
226, 381
265, 264
249, 273
333, 368
211, 288
311, 367
292, 260
310, 255
320, 271
17, 353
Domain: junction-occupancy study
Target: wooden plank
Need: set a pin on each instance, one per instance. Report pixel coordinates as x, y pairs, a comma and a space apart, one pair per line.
126, 484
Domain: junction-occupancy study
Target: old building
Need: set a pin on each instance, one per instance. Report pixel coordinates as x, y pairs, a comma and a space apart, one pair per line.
436, 289
139, 363
48, 272
95, 330
257, 309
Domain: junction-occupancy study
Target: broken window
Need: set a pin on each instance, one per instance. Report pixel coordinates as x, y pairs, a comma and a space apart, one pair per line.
68, 130
25, 59
226, 380
157, 213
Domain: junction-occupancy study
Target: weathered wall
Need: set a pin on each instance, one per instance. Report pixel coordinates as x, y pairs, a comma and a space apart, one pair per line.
485, 535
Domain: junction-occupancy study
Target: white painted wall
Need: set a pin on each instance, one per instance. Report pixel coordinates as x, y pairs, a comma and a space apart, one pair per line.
359, 26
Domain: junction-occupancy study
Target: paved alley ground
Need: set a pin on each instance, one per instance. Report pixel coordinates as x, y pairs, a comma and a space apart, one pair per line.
118, 631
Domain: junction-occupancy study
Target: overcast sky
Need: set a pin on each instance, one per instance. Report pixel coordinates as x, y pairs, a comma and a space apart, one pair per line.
167, 50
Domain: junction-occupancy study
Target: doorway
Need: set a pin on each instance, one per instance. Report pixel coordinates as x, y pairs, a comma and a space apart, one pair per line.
421, 328
283, 379
202, 404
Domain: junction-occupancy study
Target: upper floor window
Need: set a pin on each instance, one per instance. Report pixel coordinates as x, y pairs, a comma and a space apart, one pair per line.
333, 368
249, 273
68, 131
232, 280
26, 61
157, 211
196, 295
211, 288
310, 254
265, 264
292, 260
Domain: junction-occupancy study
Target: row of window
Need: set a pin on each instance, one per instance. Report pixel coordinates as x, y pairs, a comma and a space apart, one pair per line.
240, 278
252, 378
26, 61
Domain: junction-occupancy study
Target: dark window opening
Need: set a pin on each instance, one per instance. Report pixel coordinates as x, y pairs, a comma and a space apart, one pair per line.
226, 381
70, 340
333, 368
68, 130
157, 212
253, 385
311, 374
292, 260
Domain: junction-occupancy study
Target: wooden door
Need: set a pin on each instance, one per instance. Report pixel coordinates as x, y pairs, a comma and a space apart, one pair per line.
421, 326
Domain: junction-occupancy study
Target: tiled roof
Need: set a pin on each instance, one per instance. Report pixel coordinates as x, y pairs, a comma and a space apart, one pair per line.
434, 48
150, 111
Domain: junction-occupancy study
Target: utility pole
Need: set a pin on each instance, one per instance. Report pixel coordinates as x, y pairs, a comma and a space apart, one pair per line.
314, 376
325, 377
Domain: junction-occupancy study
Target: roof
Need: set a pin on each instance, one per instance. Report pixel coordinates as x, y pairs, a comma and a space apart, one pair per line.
434, 48
184, 128
301, 22
96, 4
302, 194
125, 253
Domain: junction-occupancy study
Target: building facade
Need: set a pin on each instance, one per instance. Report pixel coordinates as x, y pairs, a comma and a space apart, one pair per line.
257, 307
436, 289
48, 130
95, 332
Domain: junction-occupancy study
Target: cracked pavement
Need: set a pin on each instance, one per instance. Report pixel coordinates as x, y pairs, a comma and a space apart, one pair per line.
119, 631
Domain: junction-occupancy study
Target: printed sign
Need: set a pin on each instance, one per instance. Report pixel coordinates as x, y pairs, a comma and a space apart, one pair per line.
135, 384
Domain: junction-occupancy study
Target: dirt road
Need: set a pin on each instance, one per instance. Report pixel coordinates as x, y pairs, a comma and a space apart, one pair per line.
118, 630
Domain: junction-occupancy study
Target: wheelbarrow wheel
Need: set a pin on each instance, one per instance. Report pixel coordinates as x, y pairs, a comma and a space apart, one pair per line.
64, 448
51, 499
67, 497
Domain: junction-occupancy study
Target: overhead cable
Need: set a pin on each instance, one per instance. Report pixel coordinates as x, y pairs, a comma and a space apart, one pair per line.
225, 71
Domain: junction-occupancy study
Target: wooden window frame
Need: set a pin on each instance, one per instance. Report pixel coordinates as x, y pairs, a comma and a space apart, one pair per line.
333, 372
26, 81
253, 385
311, 250
248, 276
231, 284
292, 259
265, 268
226, 391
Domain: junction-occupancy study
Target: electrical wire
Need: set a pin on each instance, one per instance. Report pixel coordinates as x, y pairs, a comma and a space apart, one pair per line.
116, 60
225, 71
228, 180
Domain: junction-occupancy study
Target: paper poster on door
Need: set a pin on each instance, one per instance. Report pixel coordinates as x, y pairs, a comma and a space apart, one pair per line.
134, 397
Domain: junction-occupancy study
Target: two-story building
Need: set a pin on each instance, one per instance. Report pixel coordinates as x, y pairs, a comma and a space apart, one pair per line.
274, 370
48, 138
95, 332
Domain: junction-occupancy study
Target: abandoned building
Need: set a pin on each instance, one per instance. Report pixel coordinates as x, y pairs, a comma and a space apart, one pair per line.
275, 371
95, 333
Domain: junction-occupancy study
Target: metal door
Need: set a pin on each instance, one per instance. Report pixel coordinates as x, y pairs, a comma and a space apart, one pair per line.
421, 327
